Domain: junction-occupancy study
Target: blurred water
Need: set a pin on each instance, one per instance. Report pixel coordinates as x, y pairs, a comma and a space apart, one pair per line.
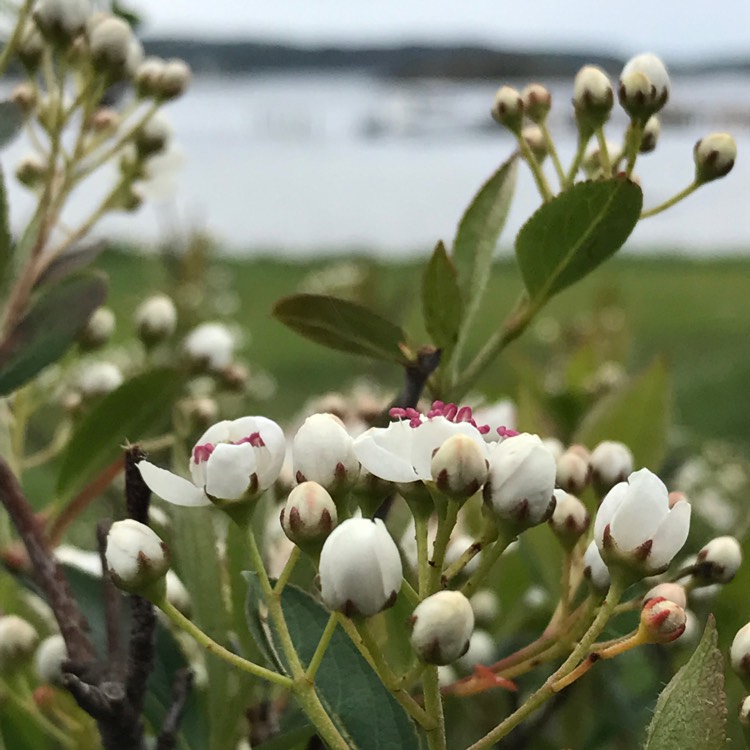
321, 164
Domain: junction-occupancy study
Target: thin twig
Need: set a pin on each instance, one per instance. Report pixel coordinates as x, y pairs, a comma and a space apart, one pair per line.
183, 682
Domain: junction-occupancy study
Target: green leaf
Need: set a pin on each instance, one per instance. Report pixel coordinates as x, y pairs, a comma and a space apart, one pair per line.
137, 409
442, 307
637, 415
691, 712
343, 325
71, 261
6, 244
479, 230
11, 122
576, 231
355, 698
50, 326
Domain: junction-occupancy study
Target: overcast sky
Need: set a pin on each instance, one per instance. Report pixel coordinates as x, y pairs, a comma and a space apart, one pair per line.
677, 29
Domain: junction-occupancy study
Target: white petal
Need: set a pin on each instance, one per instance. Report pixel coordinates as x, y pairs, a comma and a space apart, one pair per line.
671, 535
170, 487
639, 516
386, 452
430, 435
216, 433
228, 470
607, 509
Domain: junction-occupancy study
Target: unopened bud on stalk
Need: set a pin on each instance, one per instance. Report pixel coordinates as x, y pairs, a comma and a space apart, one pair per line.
204, 411
98, 330
104, 120
482, 650
651, 132
714, 157
137, 559
98, 379
156, 319
644, 86
570, 519
611, 462
49, 658
662, 621
718, 561
507, 109
673, 592
30, 47
174, 79
593, 162
148, 75
31, 171
486, 606
537, 102
210, 346
360, 568
573, 472
323, 452
534, 138
109, 44
18, 640
442, 625
595, 569
592, 98
739, 653
24, 96
744, 712
459, 467
309, 515
235, 377
153, 136
521, 481
61, 21
177, 594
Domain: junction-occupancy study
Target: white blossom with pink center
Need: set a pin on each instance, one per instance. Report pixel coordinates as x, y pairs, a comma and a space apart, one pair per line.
232, 461
402, 452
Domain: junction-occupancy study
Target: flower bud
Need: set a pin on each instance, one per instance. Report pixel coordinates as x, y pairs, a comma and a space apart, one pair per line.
18, 640
644, 86
177, 594
592, 162
651, 132
98, 379
31, 171
156, 319
459, 467
595, 569
148, 76
134, 58
456, 548
739, 653
153, 136
714, 156
573, 472
360, 568
61, 21
30, 47
442, 625
592, 98
210, 346
482, 650
507, 109
49, 658
744, 712
534, 138
109, 44
137, 559
486, 606
309, 515
662, 621
323, 452
521, 481
98, 330
174, 79
611, 462
718, 561
104, 120
536, 102
569, 520
24, 97
673, 592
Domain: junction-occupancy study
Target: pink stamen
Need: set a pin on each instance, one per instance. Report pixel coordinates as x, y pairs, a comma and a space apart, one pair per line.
506, 432
255, 440
202, 452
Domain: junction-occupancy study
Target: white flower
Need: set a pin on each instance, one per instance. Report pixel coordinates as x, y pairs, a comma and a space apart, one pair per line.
486, 605
644, 86
109, 43
402, 452
636, 526
99, 378
62, 18
360, 568
99, 329
611, 462
572, 472
441, 627
156, 318
595, 569
592, 97
482, 650
501, 414
232, 461
49, 658
719, 560
211, 345
153, 136
18, 640
671, 591
309, 514
136, 557
521, 481
459, 467
570, 519
714, 156
739, 653
323, 452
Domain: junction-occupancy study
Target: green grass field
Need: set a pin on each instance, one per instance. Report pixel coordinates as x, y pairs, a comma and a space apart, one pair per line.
695, 314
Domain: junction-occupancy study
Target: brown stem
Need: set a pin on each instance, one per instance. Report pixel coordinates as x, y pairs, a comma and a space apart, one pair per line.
180, 693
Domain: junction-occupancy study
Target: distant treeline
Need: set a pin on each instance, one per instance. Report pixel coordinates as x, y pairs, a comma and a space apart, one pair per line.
402, 61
